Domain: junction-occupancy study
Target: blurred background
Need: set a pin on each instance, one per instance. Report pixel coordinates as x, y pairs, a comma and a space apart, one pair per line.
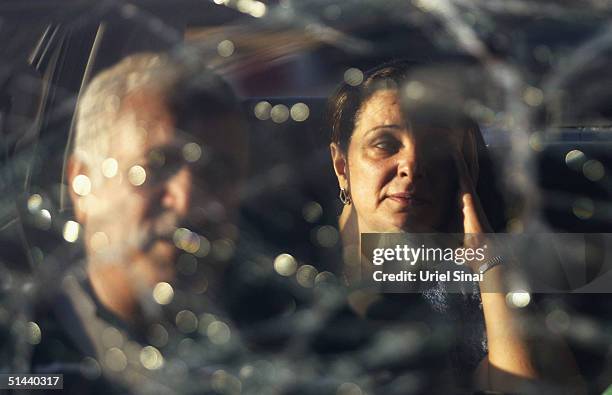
535, 75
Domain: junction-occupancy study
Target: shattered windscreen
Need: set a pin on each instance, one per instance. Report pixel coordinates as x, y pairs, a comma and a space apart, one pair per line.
306, 197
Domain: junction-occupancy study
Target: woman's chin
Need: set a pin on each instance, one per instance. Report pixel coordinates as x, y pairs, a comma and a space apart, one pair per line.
396, 222
396, 225
402, 223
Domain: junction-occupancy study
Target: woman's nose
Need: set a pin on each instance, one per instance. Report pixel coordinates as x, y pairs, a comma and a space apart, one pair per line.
409, 163
176, 195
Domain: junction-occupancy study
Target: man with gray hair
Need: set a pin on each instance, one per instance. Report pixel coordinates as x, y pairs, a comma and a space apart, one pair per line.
159, 153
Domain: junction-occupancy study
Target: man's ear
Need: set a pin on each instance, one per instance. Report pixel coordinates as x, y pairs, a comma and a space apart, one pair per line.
76, 167
340, 165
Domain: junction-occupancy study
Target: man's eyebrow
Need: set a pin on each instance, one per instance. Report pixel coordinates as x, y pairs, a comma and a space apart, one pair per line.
379, 127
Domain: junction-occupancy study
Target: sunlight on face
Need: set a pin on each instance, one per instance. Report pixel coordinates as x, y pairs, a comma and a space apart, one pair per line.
164, 175
400, 179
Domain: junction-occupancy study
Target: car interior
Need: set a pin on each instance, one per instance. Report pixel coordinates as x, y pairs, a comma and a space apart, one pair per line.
537, 79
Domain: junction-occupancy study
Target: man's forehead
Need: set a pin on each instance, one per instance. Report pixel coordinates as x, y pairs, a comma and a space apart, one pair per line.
145, 120
136, 133
135, 142
146, 123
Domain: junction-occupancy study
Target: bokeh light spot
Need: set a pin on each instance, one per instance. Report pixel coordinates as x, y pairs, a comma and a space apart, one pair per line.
151, 358
349, 389
90, 368
558, 321
279, 113
593, 170
204, 249
583, 208
218, 332
533, 96
186, 321
115, 359
258, 9
312, 212
306, 275
34, 334
326, 236
325, 277
43, 219
575, 159
255, 8
223, 249
137, 175
262, 110
535, 142
192, 152
81, 185
34, 203
285, 265
415, 90
225, 48
112, 337
163, 293
110, 167
300, 112
518, 299
71, 231
353, 76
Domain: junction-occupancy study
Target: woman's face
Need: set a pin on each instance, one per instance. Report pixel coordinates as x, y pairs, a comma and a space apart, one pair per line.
399, 179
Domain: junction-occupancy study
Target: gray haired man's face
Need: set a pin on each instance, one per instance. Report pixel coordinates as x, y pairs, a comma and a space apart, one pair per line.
163, 182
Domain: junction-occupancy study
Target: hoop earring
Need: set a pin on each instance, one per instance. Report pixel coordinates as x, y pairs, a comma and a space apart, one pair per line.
345, 197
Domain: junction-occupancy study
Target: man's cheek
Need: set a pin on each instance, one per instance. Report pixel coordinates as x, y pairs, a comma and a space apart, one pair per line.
130, 206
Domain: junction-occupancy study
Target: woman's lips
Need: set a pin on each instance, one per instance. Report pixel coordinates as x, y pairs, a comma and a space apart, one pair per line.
407, 199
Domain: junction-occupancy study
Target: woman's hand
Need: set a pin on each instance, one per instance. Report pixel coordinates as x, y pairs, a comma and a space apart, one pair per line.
508, 363
474, 218
475, 223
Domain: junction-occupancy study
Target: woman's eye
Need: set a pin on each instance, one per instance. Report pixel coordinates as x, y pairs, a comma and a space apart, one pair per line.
387, 145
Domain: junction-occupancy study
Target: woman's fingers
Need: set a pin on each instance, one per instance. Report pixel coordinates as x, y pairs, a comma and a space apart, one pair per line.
474, 218
471, 221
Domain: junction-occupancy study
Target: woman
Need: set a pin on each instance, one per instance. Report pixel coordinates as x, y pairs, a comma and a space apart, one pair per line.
407, 167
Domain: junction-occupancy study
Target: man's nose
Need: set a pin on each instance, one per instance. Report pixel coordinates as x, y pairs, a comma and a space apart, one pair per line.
176, 195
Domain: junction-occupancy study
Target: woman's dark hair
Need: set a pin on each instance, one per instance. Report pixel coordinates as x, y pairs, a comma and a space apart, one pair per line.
344, 105
439, 105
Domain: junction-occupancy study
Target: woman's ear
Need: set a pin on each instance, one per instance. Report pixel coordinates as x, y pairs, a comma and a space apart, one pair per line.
76, 167
340, 165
